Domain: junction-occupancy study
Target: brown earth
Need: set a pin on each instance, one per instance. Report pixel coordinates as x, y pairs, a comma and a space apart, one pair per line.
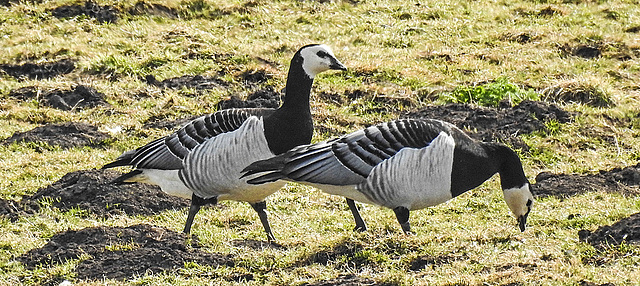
626, 231
39, 71
80, 97
103, 14
92, 191
346, 280
198, 82
619, 180
64, 135
502, 124
123, 252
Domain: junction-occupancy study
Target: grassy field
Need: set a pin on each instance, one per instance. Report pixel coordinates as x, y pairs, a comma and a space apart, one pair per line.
583, 56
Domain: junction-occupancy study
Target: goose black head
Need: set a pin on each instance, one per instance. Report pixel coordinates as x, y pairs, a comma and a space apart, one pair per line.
520, 202
319, 58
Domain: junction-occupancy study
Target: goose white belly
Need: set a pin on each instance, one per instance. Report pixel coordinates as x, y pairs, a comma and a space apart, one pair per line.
348, 191
167, 180
214, 167
413, 178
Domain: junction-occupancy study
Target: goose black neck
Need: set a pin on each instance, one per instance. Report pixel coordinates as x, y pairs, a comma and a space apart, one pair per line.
511, 172
298, 88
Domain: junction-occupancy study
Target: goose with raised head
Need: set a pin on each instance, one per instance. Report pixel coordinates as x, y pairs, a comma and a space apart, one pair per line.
403, 165
203, 159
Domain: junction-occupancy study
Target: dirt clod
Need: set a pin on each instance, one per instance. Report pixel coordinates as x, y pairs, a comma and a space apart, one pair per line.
588, 283
619, 180
92, 191
429, 260
497, 124
626, 230
345, 280
521, 38
152, 9
103, 14
80, 97
255, 76
550, 11
198, 82
577, 92
39, 71
267, 98
65, 135
123, 252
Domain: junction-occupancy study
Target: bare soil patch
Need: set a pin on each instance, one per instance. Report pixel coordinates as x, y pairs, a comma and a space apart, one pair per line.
600, 48
65, 135
152, 9
39, 71
550, 11
80, 97
267, 98
501, 124
92, 191
619, 180
345, 280
582, 50
626, 230
256, 244
346, 250
424, 261
103, 14
588, 283
255, 77
197, 82
577, 92
123, 252
521, 37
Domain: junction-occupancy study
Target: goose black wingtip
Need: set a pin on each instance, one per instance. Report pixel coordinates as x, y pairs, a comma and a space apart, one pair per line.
121, 180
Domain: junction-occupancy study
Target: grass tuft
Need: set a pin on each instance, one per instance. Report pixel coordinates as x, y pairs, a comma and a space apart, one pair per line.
489, 94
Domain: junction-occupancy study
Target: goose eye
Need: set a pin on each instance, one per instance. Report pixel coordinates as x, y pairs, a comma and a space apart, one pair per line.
322, 54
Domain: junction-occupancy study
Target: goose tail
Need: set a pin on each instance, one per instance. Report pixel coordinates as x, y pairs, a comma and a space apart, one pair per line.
123, 160
126, 178
272, 167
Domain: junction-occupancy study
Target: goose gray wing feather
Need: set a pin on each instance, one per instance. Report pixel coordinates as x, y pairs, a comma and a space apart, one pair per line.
348, 160
167, 153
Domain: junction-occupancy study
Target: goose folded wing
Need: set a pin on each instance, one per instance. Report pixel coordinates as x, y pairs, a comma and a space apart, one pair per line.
349, 159
346, 160
167, 153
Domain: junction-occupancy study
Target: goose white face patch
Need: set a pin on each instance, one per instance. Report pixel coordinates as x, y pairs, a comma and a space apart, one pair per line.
313, 63
413, 178
519, 200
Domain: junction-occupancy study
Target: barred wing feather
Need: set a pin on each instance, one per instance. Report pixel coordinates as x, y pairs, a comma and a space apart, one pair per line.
349, 159
167, 153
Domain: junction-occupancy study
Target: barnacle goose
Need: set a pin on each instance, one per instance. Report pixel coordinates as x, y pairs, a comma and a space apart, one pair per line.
404, 165
203, 159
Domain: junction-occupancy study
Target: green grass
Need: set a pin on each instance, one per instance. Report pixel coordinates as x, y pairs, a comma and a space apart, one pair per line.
403, 56
490, 94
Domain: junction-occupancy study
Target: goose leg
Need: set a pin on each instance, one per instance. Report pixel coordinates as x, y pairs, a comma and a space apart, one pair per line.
360, 225
402, 214
196, 203
260, 207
